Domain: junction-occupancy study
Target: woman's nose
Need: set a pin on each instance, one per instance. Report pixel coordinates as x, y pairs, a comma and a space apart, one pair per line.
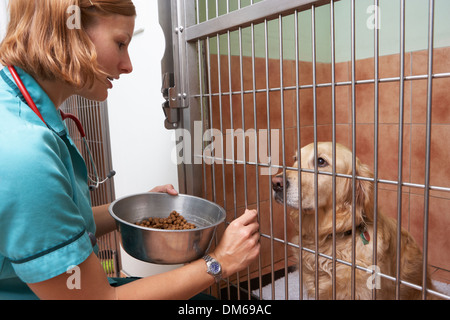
126, 66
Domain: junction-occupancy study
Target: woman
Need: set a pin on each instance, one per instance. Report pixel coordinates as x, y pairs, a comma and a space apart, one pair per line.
46, 220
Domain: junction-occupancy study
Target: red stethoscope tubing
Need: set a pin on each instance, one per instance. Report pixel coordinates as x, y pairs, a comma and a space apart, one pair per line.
64, 116
75, 119
24, 92
33, 107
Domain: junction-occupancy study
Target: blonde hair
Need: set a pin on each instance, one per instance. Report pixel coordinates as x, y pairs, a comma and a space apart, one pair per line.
39, 41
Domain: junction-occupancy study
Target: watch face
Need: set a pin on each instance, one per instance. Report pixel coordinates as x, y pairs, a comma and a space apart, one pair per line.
215, 267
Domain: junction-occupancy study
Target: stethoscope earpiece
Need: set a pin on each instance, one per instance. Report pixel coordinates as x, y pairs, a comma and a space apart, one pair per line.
92, 187
111, 174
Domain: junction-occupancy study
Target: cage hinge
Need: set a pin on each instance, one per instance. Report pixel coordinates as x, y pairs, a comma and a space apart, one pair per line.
174, 80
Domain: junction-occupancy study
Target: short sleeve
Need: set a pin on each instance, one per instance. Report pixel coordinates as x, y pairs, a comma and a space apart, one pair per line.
42, 231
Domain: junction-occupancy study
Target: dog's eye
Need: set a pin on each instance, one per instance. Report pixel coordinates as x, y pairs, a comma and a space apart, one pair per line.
322, 162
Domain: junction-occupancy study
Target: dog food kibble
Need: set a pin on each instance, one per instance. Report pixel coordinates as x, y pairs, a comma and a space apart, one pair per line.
175, 221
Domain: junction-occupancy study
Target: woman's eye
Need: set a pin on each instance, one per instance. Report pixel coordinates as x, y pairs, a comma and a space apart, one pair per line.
322, 162
121, 45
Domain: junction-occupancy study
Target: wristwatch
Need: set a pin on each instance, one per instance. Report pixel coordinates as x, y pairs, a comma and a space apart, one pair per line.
213, 267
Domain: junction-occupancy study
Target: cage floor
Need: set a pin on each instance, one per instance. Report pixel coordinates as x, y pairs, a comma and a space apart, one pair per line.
294, 289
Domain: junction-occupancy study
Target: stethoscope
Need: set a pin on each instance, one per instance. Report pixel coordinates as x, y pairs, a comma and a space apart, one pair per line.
32, 105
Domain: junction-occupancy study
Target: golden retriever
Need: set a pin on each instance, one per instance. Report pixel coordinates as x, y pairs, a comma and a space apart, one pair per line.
411, 256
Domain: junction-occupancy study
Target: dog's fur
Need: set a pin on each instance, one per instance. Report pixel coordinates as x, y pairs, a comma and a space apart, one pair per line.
411, 256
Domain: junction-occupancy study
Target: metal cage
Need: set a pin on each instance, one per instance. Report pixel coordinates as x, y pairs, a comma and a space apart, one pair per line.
94, 118
241, 77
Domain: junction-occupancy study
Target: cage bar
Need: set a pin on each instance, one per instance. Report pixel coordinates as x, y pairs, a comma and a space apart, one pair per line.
376, 136
428, 147
333, 111
353, 98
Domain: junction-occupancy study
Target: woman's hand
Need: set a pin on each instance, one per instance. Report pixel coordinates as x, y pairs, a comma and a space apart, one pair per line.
239, 245
168, 188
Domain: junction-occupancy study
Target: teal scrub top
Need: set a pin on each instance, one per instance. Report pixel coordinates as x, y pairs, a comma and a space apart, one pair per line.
45, 205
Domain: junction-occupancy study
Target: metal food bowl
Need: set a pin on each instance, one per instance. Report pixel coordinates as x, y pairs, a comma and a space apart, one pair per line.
166, 246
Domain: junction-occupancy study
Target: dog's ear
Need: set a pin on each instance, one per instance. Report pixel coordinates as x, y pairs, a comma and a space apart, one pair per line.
294, 216
364, 192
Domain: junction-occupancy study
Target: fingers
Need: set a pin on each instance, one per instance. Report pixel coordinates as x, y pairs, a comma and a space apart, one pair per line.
257, 247
249, 222
168, 188
249, 216
171, 190
240, 244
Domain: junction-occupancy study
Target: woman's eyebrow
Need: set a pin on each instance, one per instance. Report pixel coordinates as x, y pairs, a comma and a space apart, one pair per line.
124, 34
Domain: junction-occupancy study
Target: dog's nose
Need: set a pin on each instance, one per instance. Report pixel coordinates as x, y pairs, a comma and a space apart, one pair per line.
277, 183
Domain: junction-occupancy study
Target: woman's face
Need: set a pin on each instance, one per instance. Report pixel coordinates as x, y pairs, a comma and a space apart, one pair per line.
111, 36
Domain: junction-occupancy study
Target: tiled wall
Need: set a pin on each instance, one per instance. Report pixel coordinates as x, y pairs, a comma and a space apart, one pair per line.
415, 102
414, 146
